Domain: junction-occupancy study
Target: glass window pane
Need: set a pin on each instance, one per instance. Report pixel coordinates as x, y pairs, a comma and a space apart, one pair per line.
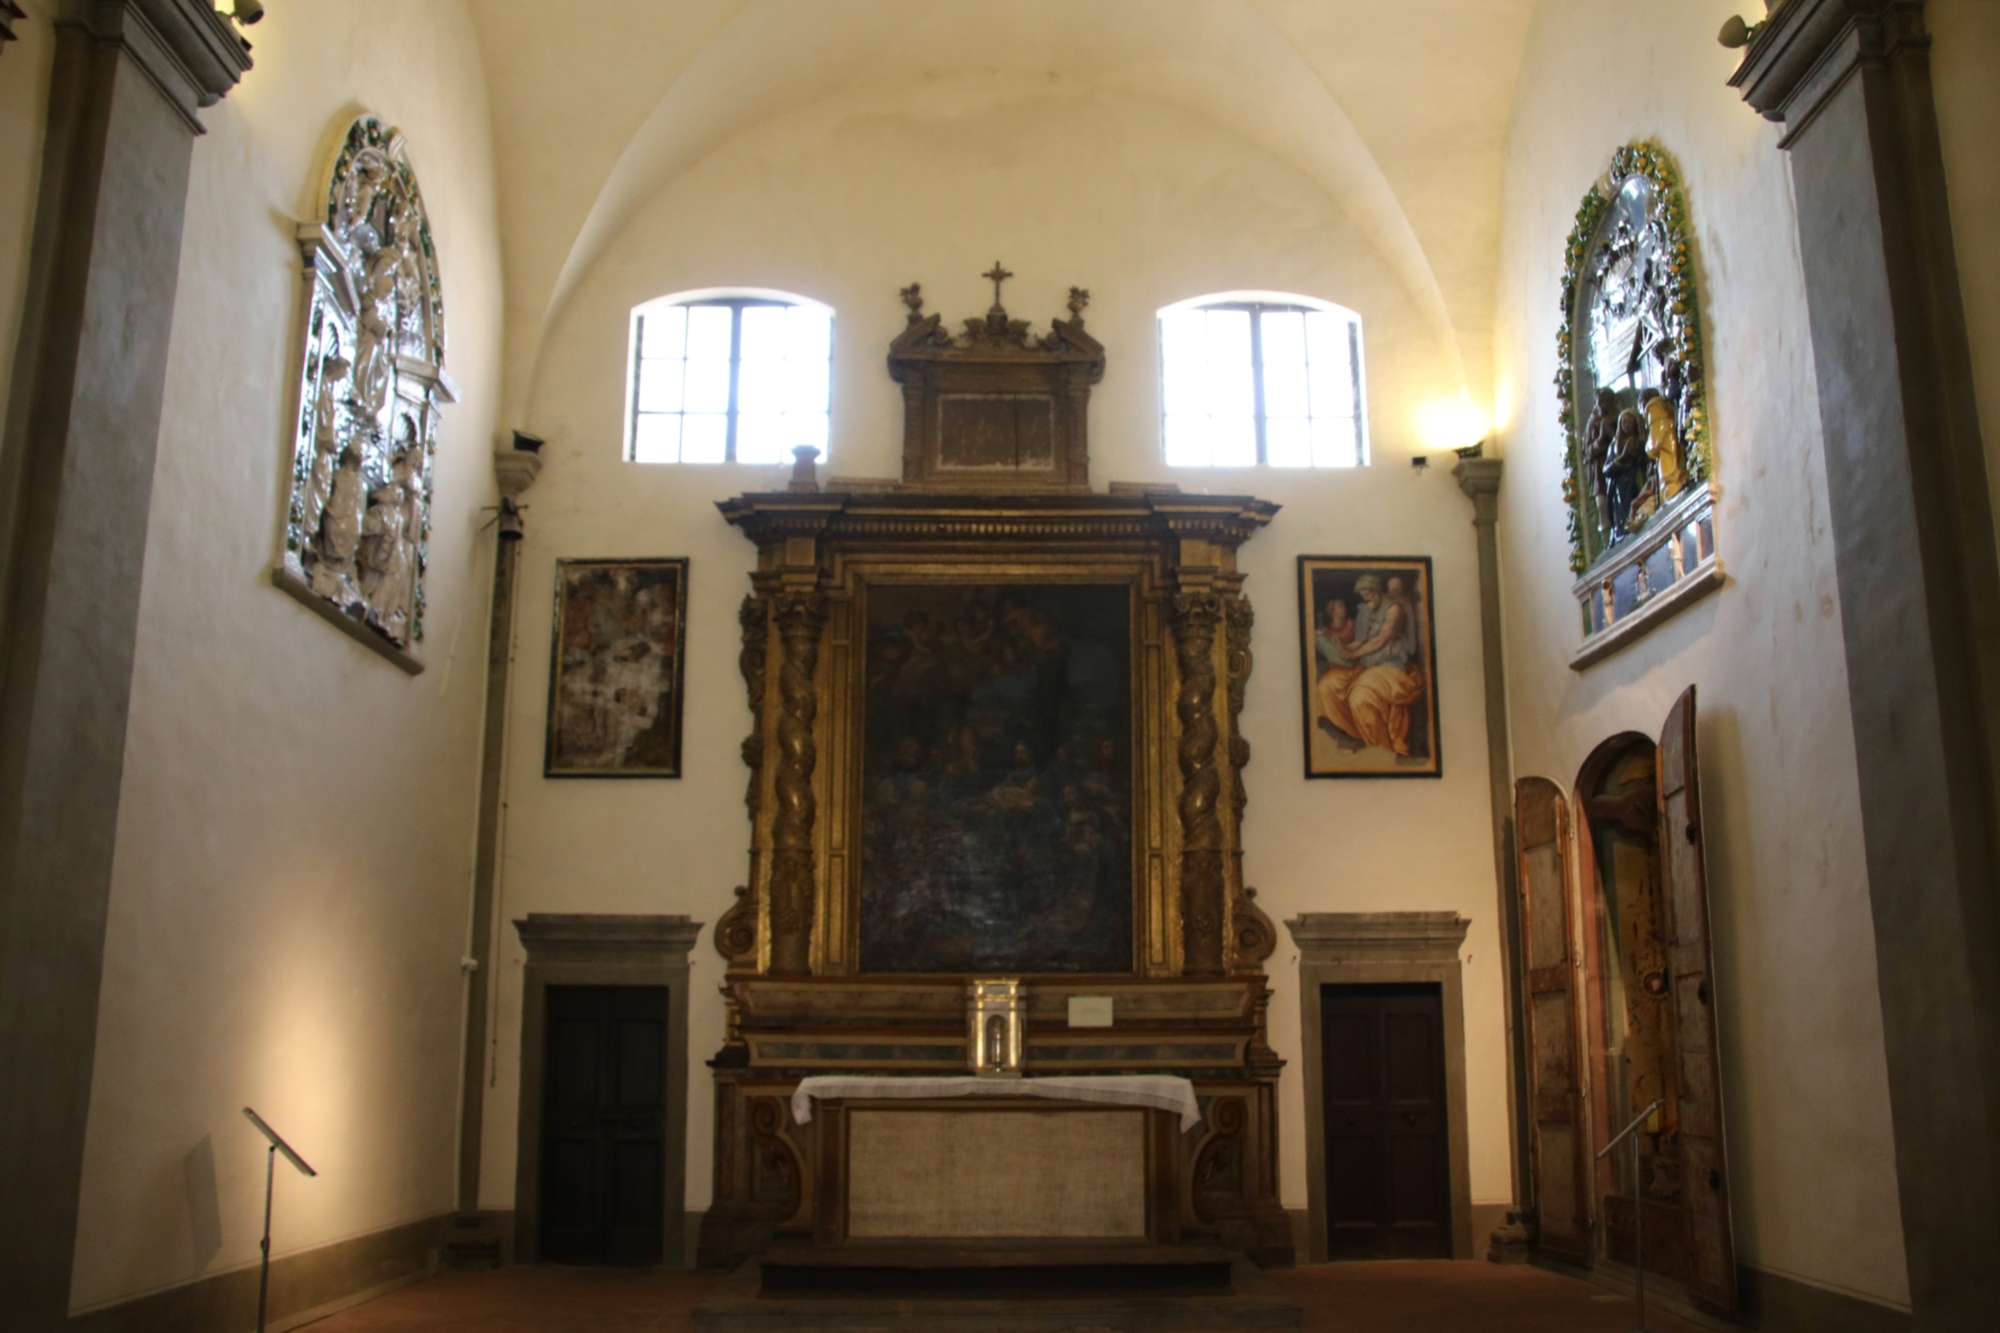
704, 438
764, 333
708, 332
656, 438
1288, 442
808, 334
1235, 441
1332, 365
1334, 442
663, 332
660, 386
807, 428
760, 385
805, 385
1187, 441
707, 386
1284, 364
1231, 387
760, 438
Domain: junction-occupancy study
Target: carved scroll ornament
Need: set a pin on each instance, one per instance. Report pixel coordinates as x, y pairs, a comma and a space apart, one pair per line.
371, 386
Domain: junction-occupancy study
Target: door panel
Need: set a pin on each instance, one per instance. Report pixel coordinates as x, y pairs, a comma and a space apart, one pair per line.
604, 1125
1555, 1090
1691, 988
1387, 1164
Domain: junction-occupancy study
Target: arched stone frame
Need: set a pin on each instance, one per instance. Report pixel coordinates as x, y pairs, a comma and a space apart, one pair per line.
371, 384
1373, 948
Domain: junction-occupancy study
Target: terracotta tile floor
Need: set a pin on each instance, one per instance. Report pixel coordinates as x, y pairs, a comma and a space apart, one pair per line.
1438, 1297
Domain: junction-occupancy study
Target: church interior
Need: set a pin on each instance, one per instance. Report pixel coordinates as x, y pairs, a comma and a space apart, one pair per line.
977, 664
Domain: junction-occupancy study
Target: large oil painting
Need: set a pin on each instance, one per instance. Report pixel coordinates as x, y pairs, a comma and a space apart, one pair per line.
997, 772
615, 684
1370, 667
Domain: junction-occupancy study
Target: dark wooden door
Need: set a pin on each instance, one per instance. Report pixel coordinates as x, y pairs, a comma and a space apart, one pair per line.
1388, 1168
604, 1125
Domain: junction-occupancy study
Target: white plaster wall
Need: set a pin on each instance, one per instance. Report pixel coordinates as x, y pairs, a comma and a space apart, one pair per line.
24, 111
1812, 1173
845, 201
1965, 51
295, 841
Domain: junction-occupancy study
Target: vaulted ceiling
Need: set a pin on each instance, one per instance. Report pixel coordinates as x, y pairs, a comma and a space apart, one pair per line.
1398, 111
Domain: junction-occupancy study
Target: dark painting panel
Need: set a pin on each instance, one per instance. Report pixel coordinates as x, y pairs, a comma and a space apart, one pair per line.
615, 684
997, 779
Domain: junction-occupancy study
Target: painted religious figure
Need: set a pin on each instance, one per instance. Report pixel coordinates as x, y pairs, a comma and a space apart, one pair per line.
997, 779
370, 390
615, 682
1370, 667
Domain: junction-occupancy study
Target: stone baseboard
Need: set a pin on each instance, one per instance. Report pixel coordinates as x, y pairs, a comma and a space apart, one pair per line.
305, 1286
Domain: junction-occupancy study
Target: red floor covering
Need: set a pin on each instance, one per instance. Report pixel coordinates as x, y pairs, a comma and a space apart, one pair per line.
1338, 1298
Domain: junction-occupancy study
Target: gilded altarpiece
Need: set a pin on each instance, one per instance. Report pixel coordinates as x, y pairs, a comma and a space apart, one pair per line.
1190, 995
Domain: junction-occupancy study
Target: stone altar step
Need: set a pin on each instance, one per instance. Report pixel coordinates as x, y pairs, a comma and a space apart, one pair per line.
995, 1287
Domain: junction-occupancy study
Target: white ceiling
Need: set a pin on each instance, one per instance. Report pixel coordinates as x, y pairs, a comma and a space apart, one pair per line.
1399, 111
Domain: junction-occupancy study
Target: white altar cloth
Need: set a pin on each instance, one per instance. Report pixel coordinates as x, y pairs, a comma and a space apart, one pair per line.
1164, 1092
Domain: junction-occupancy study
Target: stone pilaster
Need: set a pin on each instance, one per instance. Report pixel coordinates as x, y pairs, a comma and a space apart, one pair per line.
76, 478
1912, 524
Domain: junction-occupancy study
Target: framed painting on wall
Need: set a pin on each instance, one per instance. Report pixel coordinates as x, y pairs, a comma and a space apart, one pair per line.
1368, 654
615, 678
996, 807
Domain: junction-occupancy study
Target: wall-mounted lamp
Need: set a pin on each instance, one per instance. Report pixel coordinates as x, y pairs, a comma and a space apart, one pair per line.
246, 12
1736, 33
511, 527
1420, 461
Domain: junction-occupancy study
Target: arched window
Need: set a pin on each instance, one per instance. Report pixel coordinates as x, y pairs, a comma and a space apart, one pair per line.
728, 377
1254, 377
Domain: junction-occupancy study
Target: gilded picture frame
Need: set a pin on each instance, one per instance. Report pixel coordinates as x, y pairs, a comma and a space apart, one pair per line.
616, 669
1368, 667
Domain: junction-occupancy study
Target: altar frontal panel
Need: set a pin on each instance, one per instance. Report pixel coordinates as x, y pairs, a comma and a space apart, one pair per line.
981, 1172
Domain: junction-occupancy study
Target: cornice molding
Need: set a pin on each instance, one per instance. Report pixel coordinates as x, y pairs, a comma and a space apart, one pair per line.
1807, 48
1327, 937
191, 53
558, 937
935, 515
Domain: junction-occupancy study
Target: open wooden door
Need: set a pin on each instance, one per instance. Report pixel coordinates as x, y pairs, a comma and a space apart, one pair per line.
1711, 1277
1556, 1134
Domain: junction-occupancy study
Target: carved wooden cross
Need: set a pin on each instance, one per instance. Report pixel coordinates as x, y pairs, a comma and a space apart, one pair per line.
996, 275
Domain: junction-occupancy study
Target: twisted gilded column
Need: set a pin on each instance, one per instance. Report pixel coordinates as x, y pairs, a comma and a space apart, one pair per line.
1195, 618
1252, 937
800, 617
736, 933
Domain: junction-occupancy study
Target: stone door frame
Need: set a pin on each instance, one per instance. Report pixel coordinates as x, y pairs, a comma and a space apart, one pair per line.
1373, 948
585, 949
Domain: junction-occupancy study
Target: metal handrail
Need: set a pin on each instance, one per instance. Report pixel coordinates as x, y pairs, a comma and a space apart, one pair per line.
1638, 1199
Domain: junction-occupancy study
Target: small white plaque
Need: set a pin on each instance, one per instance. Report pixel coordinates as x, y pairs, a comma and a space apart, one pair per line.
1090, 1011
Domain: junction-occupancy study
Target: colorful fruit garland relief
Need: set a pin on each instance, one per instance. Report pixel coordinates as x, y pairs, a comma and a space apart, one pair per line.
1657, 166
